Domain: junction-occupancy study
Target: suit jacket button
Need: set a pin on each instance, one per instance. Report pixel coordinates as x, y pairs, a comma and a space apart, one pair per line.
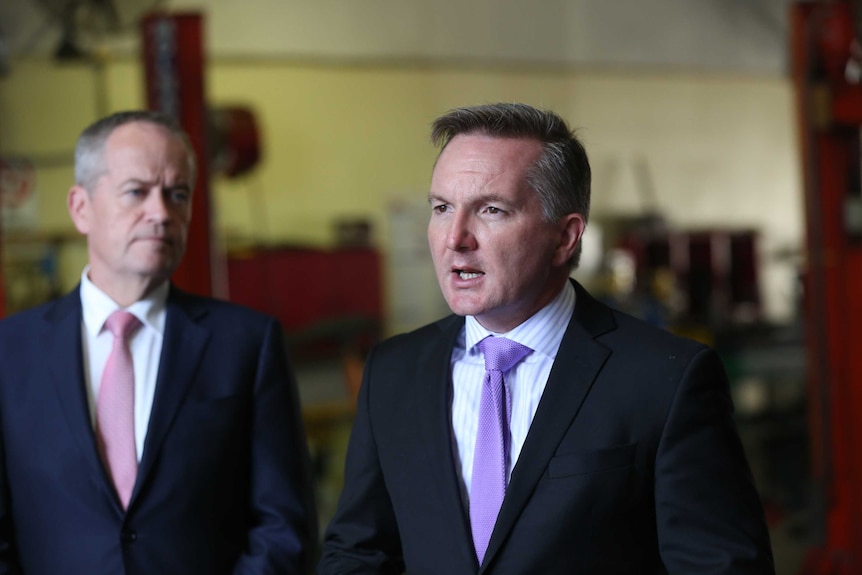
128, 536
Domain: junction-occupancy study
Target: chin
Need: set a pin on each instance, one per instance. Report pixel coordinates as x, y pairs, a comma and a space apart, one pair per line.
157, 272
464, 308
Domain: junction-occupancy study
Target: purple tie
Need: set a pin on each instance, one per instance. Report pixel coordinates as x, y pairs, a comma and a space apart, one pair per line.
115, 408
492, 439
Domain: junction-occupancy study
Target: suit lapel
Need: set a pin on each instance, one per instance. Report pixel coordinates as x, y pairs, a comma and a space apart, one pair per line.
67, 375
434, 371
182, 349
578, 362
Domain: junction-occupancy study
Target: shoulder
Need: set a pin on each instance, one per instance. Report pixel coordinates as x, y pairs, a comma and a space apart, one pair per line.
658, 355
42, 315
24, 319
416, 349
225, 315
621, 331
633, 346
28, 332
650, 338
655, 367
421, 338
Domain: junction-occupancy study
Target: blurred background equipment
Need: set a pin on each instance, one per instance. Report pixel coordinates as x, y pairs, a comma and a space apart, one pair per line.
84, 23
707, 277
4, 55
17, 187
826, 66
233, 141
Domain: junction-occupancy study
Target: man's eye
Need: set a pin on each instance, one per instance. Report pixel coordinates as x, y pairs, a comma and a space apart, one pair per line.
440, 208
179, 196
494, 210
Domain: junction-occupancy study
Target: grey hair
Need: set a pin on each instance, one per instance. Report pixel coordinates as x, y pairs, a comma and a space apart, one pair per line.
560, 176
89, 163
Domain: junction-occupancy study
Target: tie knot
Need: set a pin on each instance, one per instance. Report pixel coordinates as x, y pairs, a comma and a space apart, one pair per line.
122, 323
501, 353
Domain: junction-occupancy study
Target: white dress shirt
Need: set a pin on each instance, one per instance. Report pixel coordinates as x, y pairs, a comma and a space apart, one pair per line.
145, 346
525, 383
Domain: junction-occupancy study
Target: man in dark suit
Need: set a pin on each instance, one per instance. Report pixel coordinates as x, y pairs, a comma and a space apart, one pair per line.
600, 444
170, 445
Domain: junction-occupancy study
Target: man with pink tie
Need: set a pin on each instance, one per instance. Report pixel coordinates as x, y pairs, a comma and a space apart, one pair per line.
145, 430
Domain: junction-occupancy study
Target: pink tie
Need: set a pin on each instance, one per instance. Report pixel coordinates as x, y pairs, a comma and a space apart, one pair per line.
490, 459
115, 408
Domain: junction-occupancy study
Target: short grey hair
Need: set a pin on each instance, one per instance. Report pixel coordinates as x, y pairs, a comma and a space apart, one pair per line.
561, 175
89, 163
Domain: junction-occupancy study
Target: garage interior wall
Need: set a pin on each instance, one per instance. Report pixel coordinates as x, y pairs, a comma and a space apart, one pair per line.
348, 141
684, 102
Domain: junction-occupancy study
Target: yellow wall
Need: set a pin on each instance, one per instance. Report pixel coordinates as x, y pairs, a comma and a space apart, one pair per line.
344, 141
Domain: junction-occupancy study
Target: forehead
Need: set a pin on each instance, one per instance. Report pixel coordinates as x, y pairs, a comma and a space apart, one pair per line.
144, 143
489, 156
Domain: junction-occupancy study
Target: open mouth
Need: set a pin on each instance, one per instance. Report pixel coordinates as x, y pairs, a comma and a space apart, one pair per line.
468, 275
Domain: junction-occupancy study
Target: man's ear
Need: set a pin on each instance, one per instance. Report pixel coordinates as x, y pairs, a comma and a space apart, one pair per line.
78, 204
572, 228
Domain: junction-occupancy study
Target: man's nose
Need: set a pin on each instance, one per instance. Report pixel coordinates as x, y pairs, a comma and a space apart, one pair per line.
156, 206
460, 234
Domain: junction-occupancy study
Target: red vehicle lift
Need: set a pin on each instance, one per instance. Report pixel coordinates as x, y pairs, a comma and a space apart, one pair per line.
173, 56
826, 62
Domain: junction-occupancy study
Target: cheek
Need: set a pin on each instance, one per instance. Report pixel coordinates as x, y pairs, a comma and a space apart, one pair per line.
437, 261
523, 261
434, 233
182, 215
436, 246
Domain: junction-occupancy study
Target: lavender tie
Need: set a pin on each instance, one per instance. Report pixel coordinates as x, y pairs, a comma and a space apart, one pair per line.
492, 439
115, 408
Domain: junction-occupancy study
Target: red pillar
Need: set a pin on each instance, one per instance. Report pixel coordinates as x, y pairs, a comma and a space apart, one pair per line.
829, 114
173, 56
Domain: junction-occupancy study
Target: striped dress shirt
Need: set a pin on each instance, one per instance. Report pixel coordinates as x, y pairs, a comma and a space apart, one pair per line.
525, 382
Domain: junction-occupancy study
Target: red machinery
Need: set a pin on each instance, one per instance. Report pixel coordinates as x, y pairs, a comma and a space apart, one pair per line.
225, 139
173, 55
827, 72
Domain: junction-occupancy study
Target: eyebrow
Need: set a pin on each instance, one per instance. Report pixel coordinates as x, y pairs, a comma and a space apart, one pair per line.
137, 181
478, 198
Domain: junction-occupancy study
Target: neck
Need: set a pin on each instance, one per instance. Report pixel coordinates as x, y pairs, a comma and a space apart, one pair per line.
126, 293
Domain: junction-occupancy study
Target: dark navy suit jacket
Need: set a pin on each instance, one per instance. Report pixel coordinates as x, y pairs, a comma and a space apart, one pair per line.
222, 484
632, 464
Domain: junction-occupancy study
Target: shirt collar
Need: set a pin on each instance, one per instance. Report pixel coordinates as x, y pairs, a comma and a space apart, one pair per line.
542, 332
97, 306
